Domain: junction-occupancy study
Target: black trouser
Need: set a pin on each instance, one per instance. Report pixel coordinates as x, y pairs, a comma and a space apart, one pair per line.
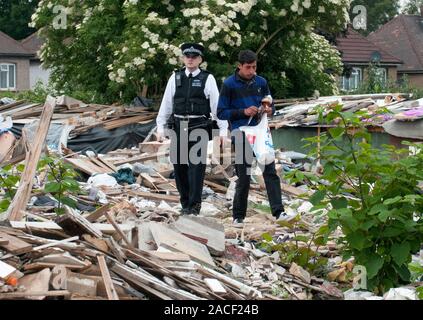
271, 180
189, 171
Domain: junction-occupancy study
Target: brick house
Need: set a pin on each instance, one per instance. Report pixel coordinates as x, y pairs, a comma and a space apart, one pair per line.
20, 66
357, 53
403, 37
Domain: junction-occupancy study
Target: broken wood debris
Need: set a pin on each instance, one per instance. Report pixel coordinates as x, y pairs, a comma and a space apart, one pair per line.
129, 241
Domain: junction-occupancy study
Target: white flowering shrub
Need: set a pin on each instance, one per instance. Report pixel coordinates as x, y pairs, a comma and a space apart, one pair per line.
120, 46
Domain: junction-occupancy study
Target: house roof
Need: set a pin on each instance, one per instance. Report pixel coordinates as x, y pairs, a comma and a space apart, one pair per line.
403, 37
11, 47
32, 43
355, 48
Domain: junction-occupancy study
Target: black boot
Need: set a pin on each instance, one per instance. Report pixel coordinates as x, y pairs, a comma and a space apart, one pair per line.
185, 211
195, 210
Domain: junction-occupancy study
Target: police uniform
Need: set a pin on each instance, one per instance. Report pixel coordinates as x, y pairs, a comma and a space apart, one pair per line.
190, 100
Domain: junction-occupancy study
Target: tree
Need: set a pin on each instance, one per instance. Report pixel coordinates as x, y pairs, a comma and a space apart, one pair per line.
118, 47
15, 16
412, 7
379, 12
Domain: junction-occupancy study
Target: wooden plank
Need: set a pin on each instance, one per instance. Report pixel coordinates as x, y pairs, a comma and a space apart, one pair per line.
76, 283
150, 283
85, 165
98, 213
75, 224
142, 158
7, 142
103, 227
145, 238
42, 265
154, 146
174, 241
20, 200
99, 244
63, 258
221, 169
148, 181
15, 295
107, 164
14, 244
52, 244
36, 282
156, 196
118, 230
216, 186
36, 216
171, 256
100, 164
13, 112
110, 125
110, 288
116, 250
3, 241
11, 105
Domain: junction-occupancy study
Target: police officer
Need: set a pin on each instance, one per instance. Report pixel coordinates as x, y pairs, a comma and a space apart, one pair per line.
189, 104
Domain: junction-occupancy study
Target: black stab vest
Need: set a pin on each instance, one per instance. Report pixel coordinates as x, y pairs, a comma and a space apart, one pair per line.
189, 98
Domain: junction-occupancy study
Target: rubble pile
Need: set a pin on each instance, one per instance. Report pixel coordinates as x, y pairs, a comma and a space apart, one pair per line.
397, 114
126, 238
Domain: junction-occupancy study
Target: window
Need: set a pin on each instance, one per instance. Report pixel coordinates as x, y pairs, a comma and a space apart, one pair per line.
352, 83
7, 76
381, 74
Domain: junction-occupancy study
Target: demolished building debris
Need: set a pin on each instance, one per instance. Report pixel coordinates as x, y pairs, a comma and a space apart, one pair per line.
126, 239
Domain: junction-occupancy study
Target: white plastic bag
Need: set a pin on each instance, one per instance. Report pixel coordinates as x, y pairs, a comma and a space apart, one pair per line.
103, 179
261, 141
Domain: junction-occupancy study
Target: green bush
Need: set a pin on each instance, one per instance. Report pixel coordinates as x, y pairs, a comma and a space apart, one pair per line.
373, 196
61, 183
9, 177
117, 48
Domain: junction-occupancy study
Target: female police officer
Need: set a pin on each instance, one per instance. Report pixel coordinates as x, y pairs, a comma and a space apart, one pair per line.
190, 102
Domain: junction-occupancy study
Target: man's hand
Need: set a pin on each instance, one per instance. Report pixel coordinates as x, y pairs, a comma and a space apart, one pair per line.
251, 111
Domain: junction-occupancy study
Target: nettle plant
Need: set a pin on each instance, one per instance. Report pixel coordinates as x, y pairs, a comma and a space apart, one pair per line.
9, 178
302, 248
61, 182
373, 196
